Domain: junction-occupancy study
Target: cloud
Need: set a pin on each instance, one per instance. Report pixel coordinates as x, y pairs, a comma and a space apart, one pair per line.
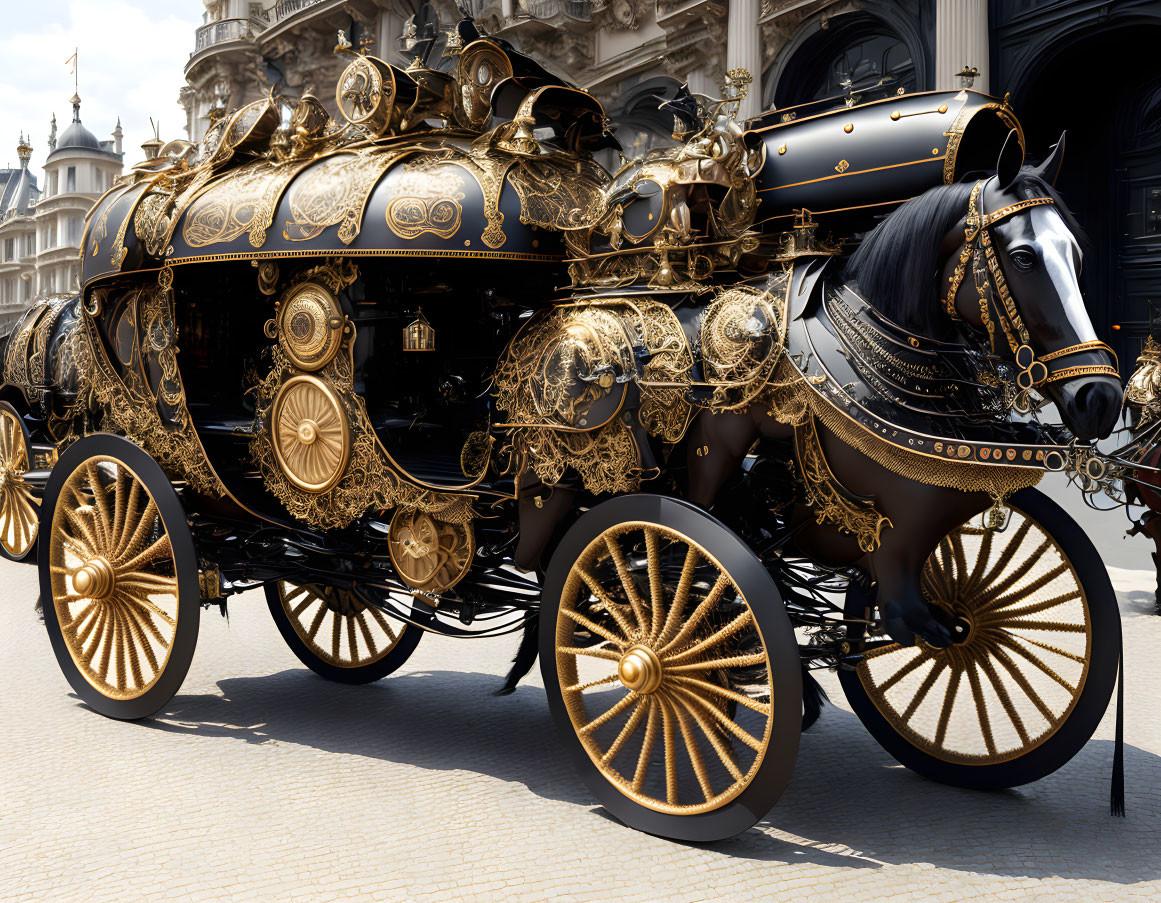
131, 54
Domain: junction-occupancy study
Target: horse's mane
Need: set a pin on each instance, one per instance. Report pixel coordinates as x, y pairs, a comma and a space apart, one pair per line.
897, 266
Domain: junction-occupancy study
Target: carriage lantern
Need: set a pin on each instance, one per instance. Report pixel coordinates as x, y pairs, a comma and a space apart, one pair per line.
419, 335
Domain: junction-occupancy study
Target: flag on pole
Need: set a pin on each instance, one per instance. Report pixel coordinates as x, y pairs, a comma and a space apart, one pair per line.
71, 62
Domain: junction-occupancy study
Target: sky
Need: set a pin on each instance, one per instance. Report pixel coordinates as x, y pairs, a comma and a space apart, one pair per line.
131, 54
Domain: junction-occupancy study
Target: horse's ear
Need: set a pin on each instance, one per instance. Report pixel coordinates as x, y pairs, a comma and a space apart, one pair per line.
1049, 170
1008, 165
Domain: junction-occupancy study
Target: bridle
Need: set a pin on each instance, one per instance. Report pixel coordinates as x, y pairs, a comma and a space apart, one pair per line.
991, 285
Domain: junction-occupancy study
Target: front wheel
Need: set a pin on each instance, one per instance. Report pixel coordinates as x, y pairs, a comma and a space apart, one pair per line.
1027, 681
671, 668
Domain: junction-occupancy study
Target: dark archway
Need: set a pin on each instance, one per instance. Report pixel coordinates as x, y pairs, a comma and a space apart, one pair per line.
1112, 169
873, 53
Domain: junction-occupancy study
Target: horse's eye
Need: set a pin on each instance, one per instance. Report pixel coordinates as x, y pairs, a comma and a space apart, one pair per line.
1022, 259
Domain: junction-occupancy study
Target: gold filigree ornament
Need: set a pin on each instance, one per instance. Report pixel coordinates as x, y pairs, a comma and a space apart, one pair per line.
1143, 390
743, 333
428, 200
127, 404
429, 554
309, 325
311, 434
370, 481
829, 500
365, 94
482, 65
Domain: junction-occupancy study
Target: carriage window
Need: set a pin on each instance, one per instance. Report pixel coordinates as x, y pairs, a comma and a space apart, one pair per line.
1153, 210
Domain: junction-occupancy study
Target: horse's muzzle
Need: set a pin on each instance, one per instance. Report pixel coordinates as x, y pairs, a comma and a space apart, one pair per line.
1089, 405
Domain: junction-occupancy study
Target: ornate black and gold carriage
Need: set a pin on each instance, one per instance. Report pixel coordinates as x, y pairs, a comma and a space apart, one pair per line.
433, 367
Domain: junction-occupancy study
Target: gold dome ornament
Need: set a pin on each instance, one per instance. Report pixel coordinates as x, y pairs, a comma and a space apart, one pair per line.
310, 434
419, 335
309, 326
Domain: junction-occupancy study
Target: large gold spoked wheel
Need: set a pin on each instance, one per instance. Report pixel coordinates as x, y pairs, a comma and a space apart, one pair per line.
1030, 674
337, 634
119, 577
19, 514
671, 668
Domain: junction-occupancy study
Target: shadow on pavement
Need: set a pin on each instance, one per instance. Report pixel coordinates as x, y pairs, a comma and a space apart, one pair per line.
846, 790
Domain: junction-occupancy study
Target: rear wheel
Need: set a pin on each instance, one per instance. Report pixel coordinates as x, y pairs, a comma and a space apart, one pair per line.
1027, 682
671, 668
119, 577
19, 514
338, 635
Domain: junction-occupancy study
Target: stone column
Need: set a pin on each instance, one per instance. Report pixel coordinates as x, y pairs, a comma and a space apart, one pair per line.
744, 49
961, 39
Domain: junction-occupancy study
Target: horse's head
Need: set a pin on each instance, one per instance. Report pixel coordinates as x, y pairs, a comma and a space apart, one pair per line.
1013, 279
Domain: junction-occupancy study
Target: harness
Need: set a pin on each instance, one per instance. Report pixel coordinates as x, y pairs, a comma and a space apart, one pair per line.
990, 284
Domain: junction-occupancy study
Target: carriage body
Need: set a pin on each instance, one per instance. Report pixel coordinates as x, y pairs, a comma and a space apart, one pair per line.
455, 377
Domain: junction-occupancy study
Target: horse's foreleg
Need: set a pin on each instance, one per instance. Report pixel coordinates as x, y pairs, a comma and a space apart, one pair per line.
717, 444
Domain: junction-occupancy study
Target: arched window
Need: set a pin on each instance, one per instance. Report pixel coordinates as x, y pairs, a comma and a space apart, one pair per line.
856, 53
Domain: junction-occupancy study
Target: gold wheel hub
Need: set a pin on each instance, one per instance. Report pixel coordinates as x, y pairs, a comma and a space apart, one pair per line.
94, 579
307, 432
640, 670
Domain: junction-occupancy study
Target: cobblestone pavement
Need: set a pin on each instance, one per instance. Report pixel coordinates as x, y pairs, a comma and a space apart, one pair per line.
261, 781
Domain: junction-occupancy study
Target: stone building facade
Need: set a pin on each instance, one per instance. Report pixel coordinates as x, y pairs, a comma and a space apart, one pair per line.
41, 225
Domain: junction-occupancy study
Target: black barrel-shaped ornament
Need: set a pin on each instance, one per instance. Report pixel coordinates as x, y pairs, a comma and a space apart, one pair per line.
868, 159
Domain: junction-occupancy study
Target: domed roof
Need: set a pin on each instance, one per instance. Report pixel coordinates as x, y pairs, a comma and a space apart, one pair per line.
76, 136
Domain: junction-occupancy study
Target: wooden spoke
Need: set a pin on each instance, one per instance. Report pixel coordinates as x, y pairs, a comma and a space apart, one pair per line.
627, 700
713, 597
691, 748
594, 628
627, 584
639, 711
599, 682
705, 686
1027, 628
627, 630
592, 652
680, 597
647, 745
656, 593
745, 619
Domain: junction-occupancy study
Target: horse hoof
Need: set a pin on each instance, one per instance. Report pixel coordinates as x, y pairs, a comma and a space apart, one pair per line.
905, 631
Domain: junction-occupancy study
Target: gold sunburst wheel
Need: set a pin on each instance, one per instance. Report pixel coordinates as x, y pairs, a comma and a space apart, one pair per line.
663, 670
121, 573
310, 433
1030, 677
19, 514
337, 634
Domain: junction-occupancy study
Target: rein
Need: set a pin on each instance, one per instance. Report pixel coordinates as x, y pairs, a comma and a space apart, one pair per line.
991, 284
